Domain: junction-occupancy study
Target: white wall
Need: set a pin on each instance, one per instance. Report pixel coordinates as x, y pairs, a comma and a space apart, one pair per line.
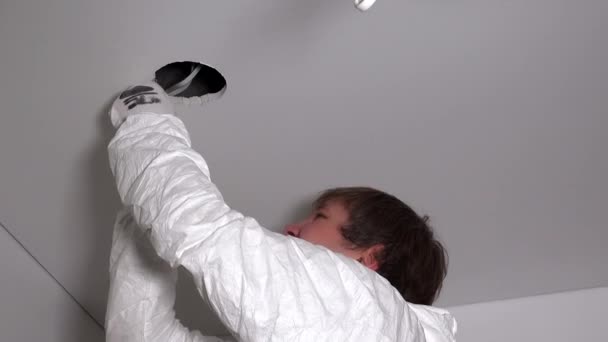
561, 317
33, 307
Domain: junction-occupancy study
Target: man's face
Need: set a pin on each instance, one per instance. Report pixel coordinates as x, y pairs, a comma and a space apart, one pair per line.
322, 227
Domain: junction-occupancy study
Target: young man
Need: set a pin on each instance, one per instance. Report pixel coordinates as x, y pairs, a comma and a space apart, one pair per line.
353, 271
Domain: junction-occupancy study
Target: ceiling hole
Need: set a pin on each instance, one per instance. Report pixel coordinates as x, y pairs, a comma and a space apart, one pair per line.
190, 82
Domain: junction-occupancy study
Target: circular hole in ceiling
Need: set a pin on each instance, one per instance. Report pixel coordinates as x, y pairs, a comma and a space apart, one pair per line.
190, 81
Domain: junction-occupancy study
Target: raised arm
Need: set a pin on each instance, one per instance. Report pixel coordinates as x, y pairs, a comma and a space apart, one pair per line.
263, 285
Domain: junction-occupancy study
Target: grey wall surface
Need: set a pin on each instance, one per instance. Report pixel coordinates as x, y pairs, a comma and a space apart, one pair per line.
560, 317
490, 116
33, 307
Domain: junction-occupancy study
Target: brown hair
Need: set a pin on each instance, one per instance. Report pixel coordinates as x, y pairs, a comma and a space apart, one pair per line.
412, 260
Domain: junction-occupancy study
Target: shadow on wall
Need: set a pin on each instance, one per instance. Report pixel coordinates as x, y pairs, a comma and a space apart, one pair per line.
104, 202
94, 178
192, 311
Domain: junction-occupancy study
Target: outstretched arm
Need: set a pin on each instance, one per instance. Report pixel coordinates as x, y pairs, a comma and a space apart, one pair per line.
262, 285
167, 188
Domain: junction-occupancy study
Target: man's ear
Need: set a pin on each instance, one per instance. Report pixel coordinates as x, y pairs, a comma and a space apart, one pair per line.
369, 259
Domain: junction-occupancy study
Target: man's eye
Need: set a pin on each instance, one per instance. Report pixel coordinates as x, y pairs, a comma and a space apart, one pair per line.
319, 215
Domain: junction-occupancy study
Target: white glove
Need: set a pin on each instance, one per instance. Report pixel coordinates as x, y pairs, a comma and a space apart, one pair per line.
138, 99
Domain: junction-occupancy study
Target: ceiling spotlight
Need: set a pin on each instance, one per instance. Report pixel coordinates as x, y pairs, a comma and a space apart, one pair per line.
364, 5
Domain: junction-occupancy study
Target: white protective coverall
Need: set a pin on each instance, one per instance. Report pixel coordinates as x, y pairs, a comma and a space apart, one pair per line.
264, 286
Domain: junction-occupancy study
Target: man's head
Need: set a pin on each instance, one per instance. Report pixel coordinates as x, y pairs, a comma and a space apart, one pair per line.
381, 232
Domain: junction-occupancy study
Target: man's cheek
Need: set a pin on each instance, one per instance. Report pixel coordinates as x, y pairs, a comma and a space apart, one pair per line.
310, 236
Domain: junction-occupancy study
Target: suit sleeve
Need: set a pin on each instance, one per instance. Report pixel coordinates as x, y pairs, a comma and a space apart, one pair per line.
142, 291
260, 283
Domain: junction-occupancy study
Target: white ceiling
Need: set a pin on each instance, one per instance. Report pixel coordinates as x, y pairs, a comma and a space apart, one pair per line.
489, 116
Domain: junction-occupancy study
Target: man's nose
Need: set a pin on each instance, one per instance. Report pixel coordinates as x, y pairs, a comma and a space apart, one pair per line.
292, 229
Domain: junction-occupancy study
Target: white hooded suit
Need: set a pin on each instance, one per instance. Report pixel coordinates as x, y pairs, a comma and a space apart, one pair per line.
264, 286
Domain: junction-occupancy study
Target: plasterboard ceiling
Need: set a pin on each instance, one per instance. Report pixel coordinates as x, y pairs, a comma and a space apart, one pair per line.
489, 116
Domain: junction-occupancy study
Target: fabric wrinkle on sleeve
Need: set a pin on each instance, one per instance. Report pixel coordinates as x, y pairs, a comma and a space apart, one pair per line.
142, 291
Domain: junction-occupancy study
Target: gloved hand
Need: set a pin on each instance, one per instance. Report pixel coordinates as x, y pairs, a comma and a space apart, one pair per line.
138, 99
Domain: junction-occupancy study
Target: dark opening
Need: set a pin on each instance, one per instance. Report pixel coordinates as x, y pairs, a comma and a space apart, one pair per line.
177, 77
